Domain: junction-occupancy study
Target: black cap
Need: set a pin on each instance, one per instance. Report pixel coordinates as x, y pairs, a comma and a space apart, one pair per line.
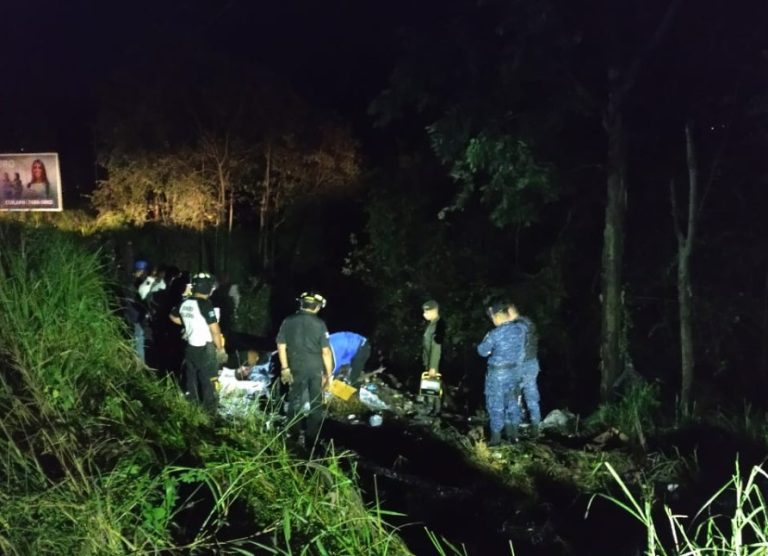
497, 307
429, 305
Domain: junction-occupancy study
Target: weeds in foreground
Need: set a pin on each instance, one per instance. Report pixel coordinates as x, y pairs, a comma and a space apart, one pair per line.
445, 548
740, 530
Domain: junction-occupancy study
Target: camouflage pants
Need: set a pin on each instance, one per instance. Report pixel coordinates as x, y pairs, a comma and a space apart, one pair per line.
500, 399
529, 389
502, 389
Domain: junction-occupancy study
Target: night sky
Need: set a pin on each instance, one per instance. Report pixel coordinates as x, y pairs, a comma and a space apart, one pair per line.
336, 54
61, 61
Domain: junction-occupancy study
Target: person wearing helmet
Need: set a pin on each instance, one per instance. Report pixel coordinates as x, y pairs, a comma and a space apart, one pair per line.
306, 362
205, 344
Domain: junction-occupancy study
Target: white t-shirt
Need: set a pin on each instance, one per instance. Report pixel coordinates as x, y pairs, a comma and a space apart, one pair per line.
197, 315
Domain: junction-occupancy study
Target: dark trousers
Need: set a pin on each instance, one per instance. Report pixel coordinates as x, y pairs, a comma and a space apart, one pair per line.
306, 386
201, 368
358, 362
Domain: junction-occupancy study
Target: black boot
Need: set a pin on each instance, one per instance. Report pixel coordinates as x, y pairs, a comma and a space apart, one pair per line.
510, 432
495, 439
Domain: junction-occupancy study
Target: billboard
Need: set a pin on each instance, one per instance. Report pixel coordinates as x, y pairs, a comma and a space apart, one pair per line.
30, 182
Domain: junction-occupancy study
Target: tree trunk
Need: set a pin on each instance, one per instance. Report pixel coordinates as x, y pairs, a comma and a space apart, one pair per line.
231, 221
613, 334
684, 288
266, 194
685, 301
611, 364
764, 333
223, 187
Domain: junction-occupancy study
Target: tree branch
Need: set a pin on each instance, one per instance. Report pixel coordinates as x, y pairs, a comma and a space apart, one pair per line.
675, 219
630, 76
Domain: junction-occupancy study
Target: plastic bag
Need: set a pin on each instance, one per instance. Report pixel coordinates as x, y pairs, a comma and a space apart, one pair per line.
371, 400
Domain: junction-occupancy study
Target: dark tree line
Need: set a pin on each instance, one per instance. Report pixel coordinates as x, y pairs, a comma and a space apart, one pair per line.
531, 106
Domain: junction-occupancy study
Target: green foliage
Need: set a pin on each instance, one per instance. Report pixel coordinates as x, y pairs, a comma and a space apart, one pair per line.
406, 260
167, 188
501, 168
93, 442
407, 256
635, 413
254, 314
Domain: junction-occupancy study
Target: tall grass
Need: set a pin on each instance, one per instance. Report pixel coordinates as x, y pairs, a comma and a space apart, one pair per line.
733, 521
99, 456
635, 413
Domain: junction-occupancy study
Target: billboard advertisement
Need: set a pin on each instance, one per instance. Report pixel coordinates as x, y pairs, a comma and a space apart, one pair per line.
30, 182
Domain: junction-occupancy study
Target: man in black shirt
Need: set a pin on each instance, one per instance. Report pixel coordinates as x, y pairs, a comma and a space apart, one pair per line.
306, 361
205, 344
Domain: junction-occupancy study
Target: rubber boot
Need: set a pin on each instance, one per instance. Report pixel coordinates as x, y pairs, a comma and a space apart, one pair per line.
495, 439
510, 432
534, 432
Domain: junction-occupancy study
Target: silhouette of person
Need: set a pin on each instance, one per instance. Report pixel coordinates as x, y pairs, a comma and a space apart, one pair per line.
18, 187
7, 186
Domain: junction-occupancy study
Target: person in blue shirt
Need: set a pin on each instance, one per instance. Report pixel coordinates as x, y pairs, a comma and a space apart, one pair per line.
349, 350
508, 348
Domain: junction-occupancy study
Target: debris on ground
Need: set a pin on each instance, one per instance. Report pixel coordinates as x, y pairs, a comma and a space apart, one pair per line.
559, 419
612, 438
369, 398
378, 394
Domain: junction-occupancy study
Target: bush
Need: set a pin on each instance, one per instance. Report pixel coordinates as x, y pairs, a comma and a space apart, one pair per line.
743, 530
635, 413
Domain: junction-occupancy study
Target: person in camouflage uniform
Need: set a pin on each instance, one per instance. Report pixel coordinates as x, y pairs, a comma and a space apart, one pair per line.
529, 368
504, 348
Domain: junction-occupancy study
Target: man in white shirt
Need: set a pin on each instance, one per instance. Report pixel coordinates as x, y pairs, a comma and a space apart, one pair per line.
205, 344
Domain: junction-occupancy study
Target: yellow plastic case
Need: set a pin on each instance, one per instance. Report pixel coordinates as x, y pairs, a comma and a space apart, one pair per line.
342, 390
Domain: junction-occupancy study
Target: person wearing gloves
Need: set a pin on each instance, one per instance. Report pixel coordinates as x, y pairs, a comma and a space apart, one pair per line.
205, 344
306, 362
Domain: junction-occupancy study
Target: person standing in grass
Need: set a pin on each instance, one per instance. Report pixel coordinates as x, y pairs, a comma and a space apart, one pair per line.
306, 362
205, 344
432, 346
504, 348
136, 309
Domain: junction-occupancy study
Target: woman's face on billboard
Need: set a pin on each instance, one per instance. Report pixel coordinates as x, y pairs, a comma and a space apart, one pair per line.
37, 171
